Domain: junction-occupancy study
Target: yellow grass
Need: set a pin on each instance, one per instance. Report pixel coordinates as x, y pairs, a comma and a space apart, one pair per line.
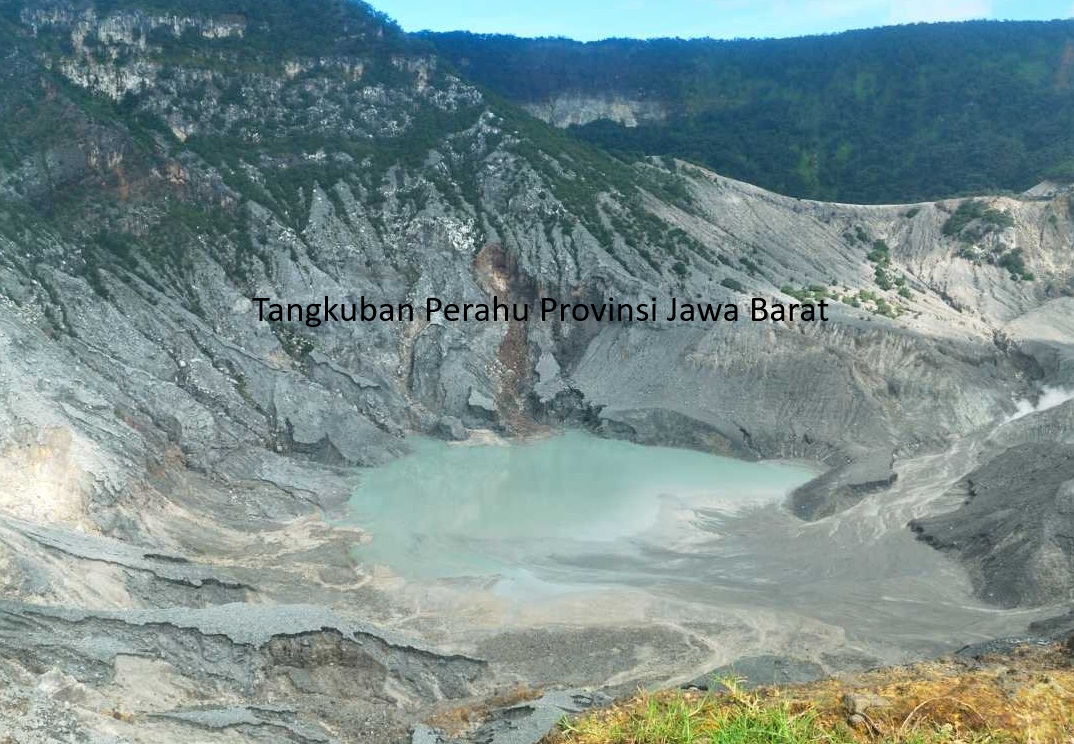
1026, 697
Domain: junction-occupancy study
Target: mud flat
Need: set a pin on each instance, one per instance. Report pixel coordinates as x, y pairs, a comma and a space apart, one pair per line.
573, 559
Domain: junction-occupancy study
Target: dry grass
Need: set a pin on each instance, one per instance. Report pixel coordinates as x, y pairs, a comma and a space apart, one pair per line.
1026, 697
459, 719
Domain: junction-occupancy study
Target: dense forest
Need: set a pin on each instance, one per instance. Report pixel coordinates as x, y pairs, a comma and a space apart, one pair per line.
892, 114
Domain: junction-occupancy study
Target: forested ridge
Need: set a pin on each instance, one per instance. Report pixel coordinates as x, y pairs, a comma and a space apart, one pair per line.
892, 114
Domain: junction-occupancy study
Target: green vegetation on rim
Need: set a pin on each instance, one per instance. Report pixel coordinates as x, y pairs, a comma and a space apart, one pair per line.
1022, 697
739, 717
897, 114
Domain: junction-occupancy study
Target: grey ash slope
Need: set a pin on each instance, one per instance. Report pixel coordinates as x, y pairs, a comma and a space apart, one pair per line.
1016, 527
158, 170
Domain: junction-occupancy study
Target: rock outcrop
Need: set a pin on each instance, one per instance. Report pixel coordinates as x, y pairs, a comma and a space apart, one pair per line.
1015, 530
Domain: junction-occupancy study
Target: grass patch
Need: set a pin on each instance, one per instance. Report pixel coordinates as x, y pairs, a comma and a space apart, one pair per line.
685, 718
812, 293
737, 717
1023, 698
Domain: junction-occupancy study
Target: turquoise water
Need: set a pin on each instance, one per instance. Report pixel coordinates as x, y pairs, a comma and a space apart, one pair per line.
558, 517
504, 510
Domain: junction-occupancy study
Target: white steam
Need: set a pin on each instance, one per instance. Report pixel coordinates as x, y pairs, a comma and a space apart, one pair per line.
1049, 398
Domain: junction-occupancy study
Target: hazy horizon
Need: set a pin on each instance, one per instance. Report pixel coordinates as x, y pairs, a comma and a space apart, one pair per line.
717, 19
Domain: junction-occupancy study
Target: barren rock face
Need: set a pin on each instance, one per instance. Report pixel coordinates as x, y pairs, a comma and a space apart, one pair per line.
1015, 528
167, 457
566, 110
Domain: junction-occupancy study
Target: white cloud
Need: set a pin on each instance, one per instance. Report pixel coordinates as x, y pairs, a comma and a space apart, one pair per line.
929, 11
780, 11
841, 8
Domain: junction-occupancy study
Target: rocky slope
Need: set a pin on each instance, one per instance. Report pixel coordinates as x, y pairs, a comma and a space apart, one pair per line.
166, 458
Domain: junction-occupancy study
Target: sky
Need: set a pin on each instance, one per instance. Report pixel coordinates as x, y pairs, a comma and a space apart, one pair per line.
587, 20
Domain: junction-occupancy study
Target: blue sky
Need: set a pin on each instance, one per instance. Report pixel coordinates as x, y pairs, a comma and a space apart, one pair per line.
588, 19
